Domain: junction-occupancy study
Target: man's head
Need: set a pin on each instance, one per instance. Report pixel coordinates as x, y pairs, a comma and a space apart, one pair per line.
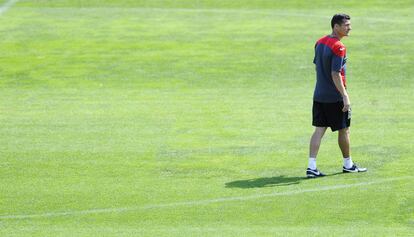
341, 25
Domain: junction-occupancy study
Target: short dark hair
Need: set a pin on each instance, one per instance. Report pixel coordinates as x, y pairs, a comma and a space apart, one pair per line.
339, 19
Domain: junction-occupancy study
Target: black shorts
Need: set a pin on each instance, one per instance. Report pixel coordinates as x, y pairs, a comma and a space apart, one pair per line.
330, 115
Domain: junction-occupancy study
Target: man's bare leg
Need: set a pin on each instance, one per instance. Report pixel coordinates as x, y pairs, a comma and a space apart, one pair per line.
344, 142
315, 141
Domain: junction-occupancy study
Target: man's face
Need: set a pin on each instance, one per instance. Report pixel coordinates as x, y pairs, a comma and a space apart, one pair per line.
343, 29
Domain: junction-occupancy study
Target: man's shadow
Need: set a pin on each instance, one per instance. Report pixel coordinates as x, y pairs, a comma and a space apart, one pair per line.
276, 181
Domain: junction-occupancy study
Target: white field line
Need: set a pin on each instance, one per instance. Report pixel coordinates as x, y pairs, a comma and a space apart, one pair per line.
196, 202
7, 6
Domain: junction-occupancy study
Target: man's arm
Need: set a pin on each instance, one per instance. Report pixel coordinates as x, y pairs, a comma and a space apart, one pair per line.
336, 77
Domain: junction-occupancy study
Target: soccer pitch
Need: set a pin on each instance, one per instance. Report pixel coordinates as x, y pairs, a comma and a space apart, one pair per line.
193, 118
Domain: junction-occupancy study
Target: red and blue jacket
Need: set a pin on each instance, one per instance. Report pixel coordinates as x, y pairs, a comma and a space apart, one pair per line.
330, 55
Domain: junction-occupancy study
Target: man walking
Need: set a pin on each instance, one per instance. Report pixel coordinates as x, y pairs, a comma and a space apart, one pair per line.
331, 103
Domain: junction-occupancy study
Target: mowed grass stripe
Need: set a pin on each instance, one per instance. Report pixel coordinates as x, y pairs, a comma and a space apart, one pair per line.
359, 16
200, 202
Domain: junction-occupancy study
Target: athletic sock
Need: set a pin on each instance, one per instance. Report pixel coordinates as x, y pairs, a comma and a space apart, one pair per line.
348, 162
312, 163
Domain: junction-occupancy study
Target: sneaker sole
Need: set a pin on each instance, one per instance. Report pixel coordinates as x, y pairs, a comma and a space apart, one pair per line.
354, 171
311, 176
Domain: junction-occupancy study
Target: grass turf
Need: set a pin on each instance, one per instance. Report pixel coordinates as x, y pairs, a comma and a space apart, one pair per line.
135, 104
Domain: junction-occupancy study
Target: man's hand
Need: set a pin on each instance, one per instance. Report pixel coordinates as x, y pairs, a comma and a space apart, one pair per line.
347, 103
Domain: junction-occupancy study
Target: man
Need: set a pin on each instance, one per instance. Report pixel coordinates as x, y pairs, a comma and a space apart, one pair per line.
331, 103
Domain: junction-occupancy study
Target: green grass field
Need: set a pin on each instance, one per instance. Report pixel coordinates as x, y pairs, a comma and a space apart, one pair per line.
193, 118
